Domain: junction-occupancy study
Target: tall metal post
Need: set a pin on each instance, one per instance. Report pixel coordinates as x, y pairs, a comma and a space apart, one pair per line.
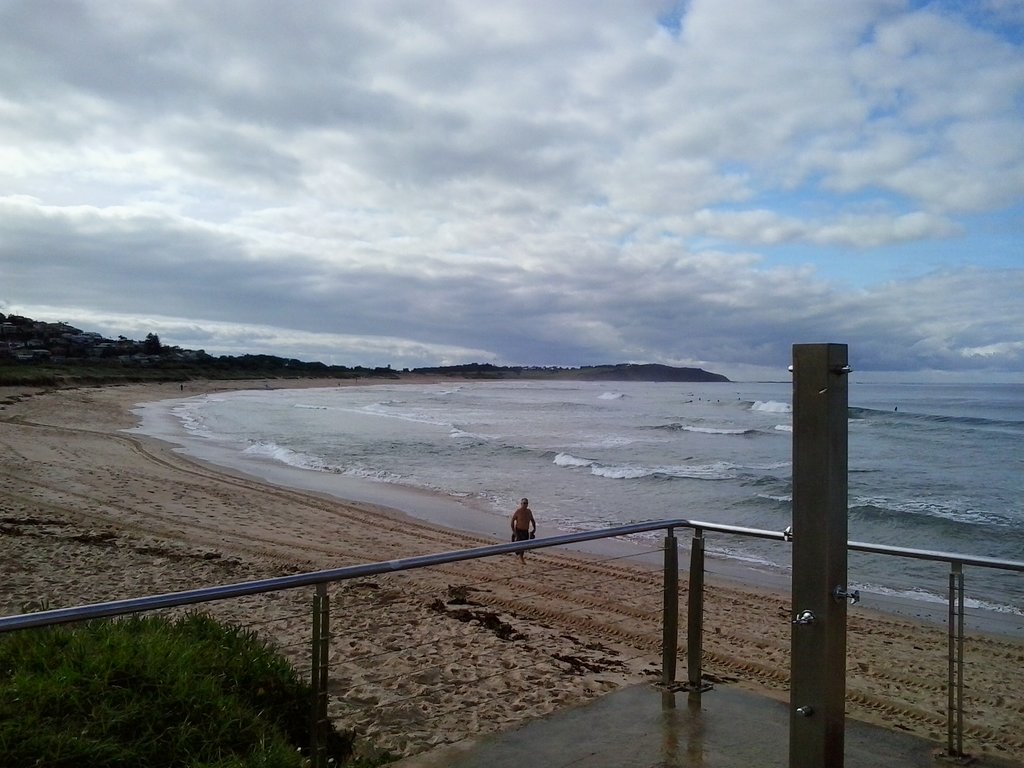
318, 677
670, 613
955, 681
695, 615
818, 637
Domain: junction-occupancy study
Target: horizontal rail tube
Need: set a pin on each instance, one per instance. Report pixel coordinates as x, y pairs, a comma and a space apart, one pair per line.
977, 561
209, 594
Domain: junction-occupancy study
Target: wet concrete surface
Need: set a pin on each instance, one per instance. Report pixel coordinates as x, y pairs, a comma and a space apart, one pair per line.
643, 727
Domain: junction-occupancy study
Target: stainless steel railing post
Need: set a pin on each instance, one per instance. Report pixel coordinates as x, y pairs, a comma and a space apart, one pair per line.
318, 677
955, 681
670, 612
695, 614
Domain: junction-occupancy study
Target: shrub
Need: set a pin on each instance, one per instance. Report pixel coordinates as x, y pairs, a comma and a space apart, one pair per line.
151, 692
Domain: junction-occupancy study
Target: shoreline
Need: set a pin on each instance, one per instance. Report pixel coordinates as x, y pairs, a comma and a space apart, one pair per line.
449, 512
92, 511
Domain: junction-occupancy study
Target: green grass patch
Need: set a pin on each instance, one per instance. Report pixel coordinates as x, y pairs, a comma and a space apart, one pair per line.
151, 692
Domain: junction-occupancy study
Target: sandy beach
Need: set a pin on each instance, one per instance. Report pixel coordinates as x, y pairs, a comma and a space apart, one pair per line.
89, 512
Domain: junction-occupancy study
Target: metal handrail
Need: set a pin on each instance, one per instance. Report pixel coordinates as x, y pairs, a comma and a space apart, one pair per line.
978, 561
695, 679
210, 594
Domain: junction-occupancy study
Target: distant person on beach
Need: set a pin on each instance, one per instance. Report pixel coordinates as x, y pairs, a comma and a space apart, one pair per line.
524, 527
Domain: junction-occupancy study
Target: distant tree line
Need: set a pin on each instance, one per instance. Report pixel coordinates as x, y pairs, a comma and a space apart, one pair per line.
36, 352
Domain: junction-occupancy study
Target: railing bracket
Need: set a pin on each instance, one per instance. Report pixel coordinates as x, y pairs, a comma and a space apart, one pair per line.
839, 594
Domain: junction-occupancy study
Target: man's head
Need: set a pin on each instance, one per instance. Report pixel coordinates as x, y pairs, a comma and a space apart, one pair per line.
524, 502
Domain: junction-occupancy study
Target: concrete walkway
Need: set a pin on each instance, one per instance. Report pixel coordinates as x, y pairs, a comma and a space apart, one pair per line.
641, 727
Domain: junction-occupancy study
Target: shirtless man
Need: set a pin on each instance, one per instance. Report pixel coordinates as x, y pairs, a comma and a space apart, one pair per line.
523, 524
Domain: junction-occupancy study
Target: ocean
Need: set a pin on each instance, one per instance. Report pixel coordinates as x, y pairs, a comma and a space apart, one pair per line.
932, 466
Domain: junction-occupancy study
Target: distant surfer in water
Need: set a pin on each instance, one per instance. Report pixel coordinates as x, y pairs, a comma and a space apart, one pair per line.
524, 527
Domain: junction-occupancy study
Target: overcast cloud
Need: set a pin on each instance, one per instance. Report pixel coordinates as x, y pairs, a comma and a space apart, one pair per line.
424, 183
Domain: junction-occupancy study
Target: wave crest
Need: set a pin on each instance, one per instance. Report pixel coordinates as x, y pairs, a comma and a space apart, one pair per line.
283, 455
719, 470
771, 406
676, 426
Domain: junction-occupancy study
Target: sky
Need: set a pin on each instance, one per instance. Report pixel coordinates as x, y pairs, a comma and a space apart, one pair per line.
370, 182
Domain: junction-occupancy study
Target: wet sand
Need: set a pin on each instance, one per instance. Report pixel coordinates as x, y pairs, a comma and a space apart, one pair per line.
90, 512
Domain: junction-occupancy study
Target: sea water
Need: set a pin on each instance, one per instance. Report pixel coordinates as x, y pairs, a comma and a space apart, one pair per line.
932, 466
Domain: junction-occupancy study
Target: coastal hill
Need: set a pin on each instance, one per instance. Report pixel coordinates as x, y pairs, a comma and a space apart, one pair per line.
618, 372
33, 352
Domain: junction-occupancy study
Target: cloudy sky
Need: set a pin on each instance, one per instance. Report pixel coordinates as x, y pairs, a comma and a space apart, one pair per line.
549, 183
